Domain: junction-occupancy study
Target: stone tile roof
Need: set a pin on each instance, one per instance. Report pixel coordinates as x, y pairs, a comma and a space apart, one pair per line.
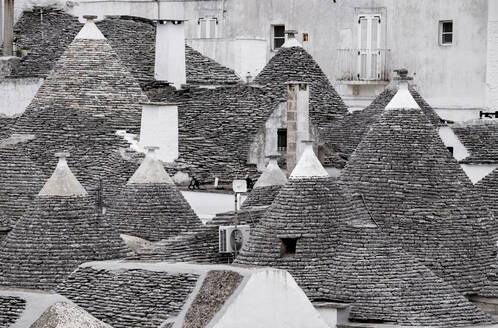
10, 309
201, 246
81, 104
151, 210
262, 196
67, 315
211, 297
5, 124
268, 185
295, 64
345, 142
216, 128
132, 38
129, 297
55, 235
341, 255
46, 33
480, 138
422, 199
385, 284
20, 181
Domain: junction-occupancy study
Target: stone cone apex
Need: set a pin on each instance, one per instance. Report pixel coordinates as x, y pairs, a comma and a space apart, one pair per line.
308, 165
151, 170
272, 175
67, 315
403, 98
90, 31
62, 182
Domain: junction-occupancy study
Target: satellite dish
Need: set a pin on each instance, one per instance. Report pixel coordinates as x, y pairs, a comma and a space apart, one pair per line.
236, 239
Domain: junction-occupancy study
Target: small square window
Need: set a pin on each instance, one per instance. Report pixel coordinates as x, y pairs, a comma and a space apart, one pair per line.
278, 35
282, 140
305, 37
446, 32
450, 149
207, 28
288, 247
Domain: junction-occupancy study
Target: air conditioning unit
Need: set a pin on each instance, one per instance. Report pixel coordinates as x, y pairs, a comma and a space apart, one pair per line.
232, 239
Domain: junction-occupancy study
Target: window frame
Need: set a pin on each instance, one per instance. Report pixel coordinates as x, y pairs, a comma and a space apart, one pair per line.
207, 21
442, 33
279, 133
273, 37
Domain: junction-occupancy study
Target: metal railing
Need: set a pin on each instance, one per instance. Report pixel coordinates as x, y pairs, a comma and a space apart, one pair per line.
363, 64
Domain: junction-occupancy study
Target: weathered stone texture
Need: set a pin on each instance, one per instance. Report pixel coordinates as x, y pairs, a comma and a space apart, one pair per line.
129, 297
345, 142
341, 255
480, 138
52, 239
20, 181
217, 287
152, 212
422, 199
10, 309
263, 196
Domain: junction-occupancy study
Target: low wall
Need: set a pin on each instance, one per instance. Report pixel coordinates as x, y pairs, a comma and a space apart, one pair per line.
17, 94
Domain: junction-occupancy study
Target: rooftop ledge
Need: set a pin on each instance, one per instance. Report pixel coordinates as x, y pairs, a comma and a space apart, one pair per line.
331, 305
365, 82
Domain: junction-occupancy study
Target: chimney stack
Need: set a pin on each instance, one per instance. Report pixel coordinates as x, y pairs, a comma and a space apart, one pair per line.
159, 127
8, 27
170, 52
298, 122
291, 40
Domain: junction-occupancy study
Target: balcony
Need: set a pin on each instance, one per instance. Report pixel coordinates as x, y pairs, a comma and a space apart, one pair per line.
363, 66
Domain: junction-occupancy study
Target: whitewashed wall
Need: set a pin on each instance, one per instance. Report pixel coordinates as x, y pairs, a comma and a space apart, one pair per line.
16, 94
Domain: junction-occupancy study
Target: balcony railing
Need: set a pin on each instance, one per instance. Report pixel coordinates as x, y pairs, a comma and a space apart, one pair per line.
363, 64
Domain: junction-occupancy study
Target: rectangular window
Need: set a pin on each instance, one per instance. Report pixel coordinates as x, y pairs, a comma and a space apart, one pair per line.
450, 149
207, 28
446, 32
288, 247
278, 36
282, 140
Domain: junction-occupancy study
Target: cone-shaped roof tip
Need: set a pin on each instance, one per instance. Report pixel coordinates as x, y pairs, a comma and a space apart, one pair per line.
308, 165
403, 99
90, 31
272, 174
62, 182
151, 170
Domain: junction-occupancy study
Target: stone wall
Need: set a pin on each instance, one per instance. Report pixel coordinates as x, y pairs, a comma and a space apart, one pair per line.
129, 298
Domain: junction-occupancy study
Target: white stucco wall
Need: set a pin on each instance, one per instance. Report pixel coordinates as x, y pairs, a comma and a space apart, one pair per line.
270, 298
477, 172
451, 140
159, 127
207, 204
17, 94
492, 56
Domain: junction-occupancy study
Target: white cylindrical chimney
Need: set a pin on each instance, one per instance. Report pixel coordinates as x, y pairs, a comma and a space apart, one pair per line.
159, 128
298, 123
170, 52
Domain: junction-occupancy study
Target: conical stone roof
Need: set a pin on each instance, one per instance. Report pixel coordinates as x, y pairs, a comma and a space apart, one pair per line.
87, 97
421, 198
268, 185
59, 231
293, 63
341, 255
20, 181
150, 206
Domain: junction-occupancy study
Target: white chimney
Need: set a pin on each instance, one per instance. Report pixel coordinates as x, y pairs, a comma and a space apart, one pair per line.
291, 40
298, 121
170, 52
159, 128
492, 56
